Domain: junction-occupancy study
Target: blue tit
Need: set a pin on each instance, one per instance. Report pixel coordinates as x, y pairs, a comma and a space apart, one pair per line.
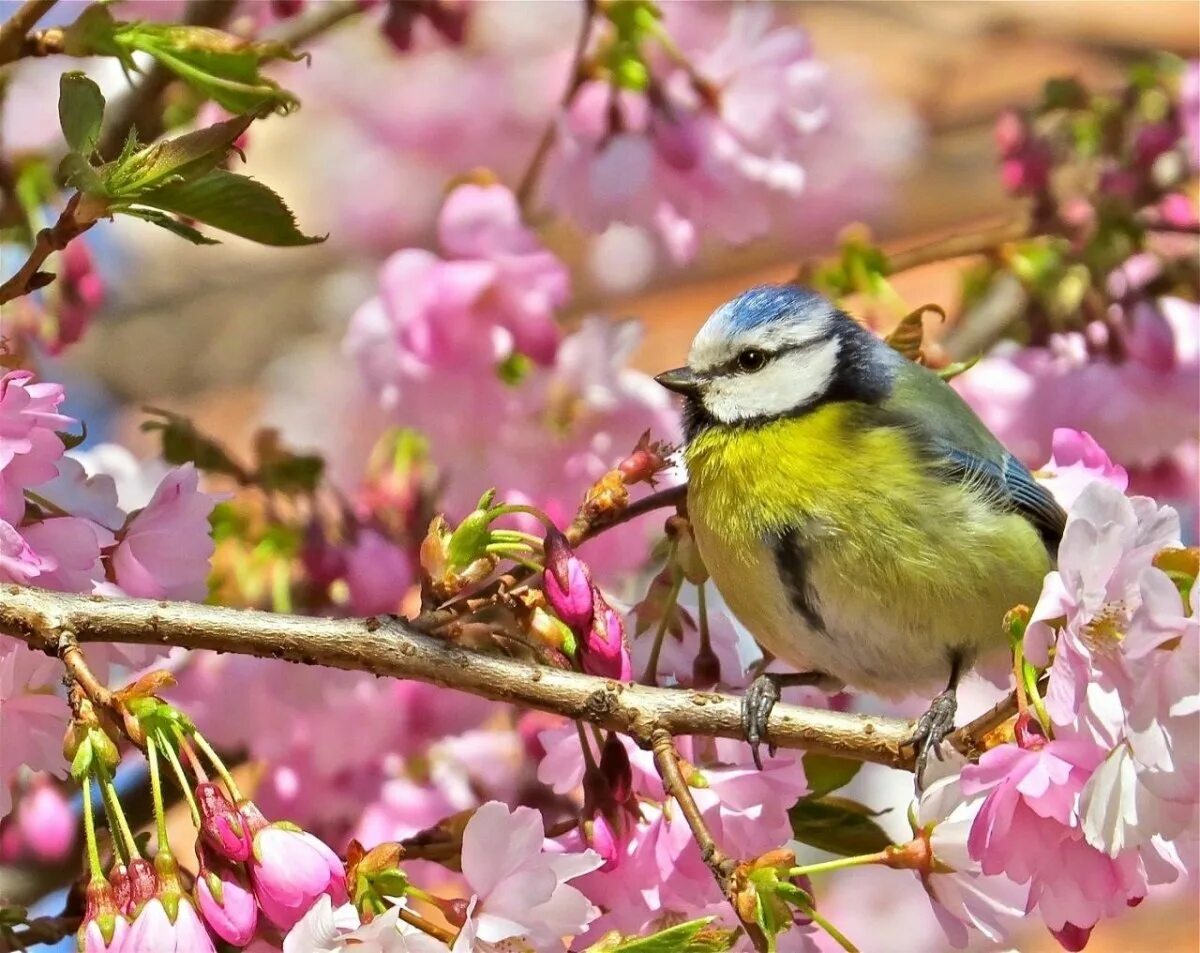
857, 517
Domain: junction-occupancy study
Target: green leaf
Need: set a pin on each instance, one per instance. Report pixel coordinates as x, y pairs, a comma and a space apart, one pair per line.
826, 773
292, 473
80, 111
94, 34
183, 443
81, 175
837, 825
172, 225
185, 157
233, 203
695, 936
81, 764
222, 66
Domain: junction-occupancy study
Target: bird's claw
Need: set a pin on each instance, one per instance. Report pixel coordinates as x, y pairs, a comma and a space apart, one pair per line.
933, 728
757, 703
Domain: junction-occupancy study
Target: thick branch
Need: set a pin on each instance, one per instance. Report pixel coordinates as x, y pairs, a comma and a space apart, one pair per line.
388, 646
14, 29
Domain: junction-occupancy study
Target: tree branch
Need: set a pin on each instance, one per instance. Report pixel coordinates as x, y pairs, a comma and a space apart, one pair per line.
71, 224
15, 28
391, 646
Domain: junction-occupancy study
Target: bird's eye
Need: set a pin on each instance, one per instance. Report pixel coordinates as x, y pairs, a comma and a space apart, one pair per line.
751, 359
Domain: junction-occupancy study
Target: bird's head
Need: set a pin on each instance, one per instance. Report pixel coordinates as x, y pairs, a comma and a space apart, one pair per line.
776, 351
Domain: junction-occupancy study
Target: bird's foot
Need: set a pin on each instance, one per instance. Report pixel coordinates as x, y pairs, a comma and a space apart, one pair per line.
760, 698
932, 728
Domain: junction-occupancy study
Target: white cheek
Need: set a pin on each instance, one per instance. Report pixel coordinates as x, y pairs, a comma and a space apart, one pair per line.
785, 383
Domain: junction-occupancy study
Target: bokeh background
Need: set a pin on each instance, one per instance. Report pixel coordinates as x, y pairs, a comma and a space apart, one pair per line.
239, 335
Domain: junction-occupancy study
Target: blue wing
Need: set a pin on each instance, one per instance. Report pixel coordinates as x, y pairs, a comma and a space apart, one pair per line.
1013, 485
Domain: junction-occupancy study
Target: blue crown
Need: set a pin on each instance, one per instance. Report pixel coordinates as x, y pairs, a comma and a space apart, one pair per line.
767, 304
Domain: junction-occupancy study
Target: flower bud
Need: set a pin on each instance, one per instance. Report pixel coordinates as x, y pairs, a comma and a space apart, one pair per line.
617, 771
46, 822
290, 869
143, 883
645, 462
168, 924
1011, 132
222, 827
118, 878
104, 926
605, 651
1072, 938
567, 583
227, 905
551, 632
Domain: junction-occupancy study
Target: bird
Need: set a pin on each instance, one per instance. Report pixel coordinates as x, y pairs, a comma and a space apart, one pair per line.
857, 517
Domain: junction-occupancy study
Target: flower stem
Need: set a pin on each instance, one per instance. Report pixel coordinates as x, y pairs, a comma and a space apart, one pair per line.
838, 937
193, 760
160, 814
180, 776
504, 509
650, 675
588, 760
702, 612
118, 826
222, 771
840, 863
89, 831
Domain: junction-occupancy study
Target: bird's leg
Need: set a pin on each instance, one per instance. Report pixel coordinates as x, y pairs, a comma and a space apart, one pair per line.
938, 720
761, 697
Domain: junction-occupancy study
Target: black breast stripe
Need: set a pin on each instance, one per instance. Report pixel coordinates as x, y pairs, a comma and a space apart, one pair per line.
791, 561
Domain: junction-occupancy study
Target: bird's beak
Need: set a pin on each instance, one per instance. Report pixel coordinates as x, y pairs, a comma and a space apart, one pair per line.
682, 380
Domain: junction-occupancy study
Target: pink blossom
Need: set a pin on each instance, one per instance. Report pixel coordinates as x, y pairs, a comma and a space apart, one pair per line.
32, 718
29, 442
1104, 574
104, 928
227, 905
378, 573
963, 898
1138, 413
155, 931
1024, 787
326, 929
69, 550
1076, 461
1189, 110
290, 870
222, 827
164, 551
522, 888
46, 822
94, 941
80, 294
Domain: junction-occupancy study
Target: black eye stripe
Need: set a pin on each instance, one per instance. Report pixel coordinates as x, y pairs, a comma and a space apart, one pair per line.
732, 366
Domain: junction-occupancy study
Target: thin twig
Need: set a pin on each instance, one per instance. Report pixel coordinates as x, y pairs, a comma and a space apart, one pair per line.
28, 278
393, 647
533, 171
720, 865
14, 29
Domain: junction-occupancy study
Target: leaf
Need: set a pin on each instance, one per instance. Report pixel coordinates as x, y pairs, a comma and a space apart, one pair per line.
183, 443
951, 371
187, 157
282, 469
908, 336
826, 773
222, 66
173, 225
81, 175
695, 936
80, 111
837, 825
233, 203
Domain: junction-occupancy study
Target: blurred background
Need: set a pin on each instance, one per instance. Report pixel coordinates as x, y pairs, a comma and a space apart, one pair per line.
239, 335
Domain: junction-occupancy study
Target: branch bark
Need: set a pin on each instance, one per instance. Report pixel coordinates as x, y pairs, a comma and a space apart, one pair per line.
392, 647
71, 224
16, 27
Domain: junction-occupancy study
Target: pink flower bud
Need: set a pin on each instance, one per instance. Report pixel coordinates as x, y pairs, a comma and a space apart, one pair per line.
46, 822
601, 837
104, 926
118, 878
568, 583
617, 771
1152, 141
1028, 171
605, 651
1178, 211
223, 828
284, 9
154, 930
227, 906
290, 870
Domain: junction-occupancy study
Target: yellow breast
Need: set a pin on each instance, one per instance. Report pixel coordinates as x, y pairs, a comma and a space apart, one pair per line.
903, 564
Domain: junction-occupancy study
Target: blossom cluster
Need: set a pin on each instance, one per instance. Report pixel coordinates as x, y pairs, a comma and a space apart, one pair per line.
1095, 800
